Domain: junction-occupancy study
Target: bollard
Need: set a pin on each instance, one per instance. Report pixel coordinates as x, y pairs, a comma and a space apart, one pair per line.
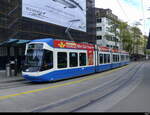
8, 70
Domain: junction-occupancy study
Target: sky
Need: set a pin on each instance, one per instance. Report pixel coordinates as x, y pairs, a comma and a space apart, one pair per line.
129, 11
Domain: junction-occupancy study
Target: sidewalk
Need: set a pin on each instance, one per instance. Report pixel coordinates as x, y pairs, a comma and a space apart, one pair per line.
4, 78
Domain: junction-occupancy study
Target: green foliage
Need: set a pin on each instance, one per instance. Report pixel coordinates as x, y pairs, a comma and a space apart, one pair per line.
131, 37
125, 36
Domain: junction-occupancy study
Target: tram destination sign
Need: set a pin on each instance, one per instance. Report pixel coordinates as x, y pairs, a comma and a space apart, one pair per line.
35, 46
66, 13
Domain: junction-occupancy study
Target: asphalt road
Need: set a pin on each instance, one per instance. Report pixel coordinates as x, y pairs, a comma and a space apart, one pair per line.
139, 99
133, 97
73, 95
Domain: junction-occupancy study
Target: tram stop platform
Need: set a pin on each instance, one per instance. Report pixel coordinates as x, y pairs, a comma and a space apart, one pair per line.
4, 77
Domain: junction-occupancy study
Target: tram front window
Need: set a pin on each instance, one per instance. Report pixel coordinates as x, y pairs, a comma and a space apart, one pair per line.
38, 60
33, 60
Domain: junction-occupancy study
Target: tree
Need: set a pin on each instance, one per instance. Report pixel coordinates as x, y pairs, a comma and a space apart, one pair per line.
125, 36
136, 39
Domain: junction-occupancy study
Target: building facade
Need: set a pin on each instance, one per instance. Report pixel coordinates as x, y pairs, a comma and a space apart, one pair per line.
16, 29
106, 30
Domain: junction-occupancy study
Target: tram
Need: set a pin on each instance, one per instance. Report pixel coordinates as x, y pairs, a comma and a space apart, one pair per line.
51, 60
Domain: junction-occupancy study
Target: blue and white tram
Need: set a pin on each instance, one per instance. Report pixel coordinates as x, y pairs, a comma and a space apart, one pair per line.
104, 61
51, 60
116, 59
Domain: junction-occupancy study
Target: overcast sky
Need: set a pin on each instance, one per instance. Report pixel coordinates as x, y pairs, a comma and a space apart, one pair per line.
129, 11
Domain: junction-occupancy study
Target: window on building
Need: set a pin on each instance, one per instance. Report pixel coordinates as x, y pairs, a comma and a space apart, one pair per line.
3, 51
107, 29
12, 51
115, 47
99, 20
107, 45
62, 60
97, 14
73, 59
99, 37
83, 59
98, 28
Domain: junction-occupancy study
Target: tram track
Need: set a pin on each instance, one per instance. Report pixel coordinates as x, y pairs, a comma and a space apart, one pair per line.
92, 95
21, 83
118, 83
75, 93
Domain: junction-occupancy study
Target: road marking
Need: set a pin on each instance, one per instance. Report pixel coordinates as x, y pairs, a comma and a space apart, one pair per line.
61, 85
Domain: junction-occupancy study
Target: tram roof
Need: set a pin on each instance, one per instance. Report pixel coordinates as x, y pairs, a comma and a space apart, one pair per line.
49, 41
73, 45
65, 44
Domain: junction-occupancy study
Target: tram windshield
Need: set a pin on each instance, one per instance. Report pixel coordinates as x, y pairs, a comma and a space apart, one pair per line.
38, 60
34, 57
33, 60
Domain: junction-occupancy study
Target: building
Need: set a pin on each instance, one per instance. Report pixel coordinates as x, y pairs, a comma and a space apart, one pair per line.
139, 44
24, 20
106, 28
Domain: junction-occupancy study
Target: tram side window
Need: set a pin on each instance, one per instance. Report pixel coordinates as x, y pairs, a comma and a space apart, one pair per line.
108, 57
122, 58
105, 58
73, 59
114, 58
127, 57
48, 60
118, 58
101, 58
83, 59
62, 60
